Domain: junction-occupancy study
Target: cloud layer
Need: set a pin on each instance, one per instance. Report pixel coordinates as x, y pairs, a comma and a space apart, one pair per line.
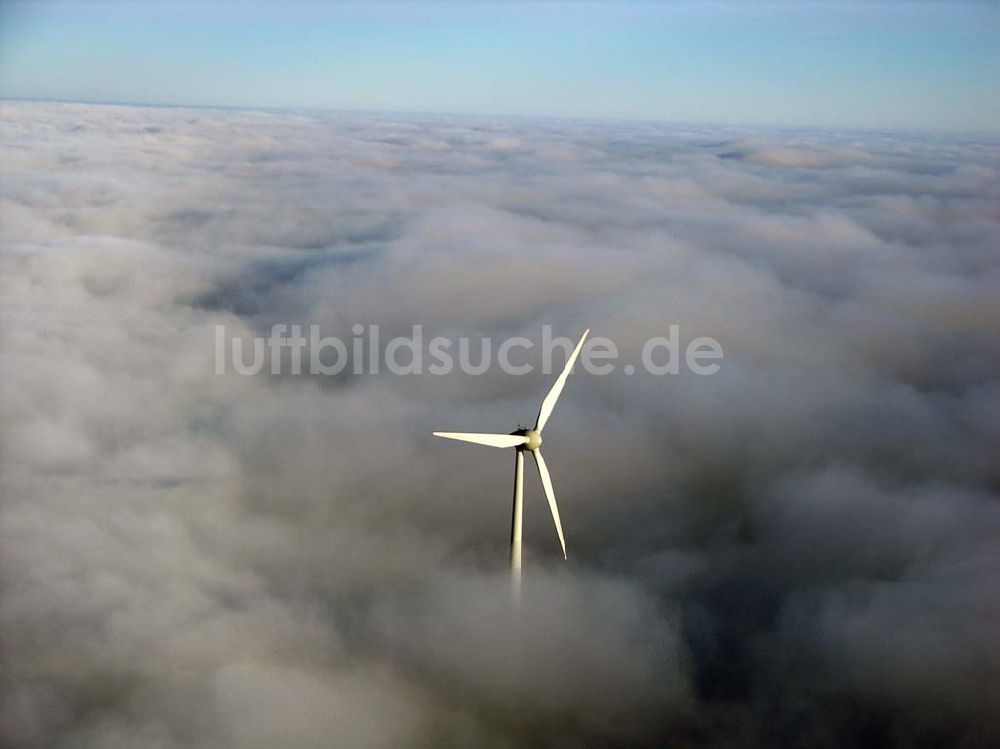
803, 549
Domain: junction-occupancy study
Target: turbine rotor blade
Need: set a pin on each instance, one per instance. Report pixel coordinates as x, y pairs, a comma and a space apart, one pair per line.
550, 400
493, 440
550, 494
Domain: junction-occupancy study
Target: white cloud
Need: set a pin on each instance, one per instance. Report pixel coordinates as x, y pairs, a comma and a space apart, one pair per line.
195, 560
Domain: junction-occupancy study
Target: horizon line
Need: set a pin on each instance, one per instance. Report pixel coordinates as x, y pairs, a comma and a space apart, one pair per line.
518, 116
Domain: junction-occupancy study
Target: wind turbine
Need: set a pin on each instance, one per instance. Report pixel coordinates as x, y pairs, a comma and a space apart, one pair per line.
531, 440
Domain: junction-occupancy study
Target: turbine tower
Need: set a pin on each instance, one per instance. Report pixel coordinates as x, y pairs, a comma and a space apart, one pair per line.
531, 440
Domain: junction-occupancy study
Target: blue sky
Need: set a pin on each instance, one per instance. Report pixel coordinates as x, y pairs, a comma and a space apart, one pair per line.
913, 65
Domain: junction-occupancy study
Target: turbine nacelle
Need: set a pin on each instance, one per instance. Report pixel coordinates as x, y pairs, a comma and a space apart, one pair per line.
532, 438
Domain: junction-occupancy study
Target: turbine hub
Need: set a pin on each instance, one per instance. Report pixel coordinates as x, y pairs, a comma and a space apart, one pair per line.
534, 440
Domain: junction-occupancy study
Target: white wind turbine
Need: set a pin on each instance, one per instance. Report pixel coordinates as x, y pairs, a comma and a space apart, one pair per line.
527, 439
